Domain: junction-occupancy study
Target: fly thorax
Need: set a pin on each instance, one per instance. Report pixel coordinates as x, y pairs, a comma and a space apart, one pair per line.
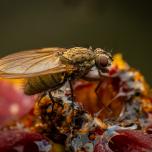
81, 58
77, 55
83, 68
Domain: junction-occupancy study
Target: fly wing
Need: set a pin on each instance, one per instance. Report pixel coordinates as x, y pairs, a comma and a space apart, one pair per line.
33, 63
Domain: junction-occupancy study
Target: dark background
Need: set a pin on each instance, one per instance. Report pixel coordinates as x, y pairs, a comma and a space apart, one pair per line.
120, 26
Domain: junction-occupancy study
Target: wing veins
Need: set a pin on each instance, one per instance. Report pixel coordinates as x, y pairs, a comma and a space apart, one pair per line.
33, 58
36, 51
30, 59
62, 68
20, 57
35, 63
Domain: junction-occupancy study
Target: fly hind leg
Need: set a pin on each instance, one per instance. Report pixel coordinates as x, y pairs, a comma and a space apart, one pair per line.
50, 96
71, 89
45, 94
71, 92
40, 97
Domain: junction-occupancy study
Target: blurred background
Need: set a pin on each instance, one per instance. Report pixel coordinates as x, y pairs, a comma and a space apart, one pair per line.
117, 26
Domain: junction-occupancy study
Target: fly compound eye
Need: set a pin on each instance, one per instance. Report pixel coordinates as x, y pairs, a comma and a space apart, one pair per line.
102, 61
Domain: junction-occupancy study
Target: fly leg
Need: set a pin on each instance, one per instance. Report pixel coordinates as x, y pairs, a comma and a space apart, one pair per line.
50, 96
98, 97
44, 94
52, 99
72, 92
41, 96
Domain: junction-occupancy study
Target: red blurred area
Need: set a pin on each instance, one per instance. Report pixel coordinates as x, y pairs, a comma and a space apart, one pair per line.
13, 102
131, 141
22, 141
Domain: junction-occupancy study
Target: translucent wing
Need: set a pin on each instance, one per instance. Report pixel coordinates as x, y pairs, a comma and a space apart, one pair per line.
32, 63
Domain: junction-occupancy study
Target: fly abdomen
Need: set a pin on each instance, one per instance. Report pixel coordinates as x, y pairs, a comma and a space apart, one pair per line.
42, 83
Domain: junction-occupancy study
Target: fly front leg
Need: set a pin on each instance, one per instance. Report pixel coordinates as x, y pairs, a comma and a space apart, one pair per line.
98, 97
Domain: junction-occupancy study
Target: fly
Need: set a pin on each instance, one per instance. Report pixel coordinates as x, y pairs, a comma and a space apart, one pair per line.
49, 68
